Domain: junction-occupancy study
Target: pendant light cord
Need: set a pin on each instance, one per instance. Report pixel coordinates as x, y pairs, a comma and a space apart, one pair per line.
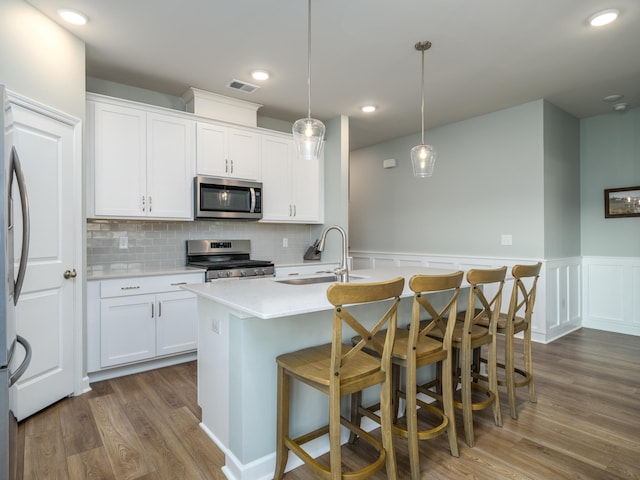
422, 108
309, 58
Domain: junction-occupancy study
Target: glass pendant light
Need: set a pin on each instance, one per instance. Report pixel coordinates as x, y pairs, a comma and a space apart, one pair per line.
423, 157
308, 133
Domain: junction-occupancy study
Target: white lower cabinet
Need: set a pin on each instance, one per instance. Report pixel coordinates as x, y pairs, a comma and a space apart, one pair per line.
127, 329
140, 319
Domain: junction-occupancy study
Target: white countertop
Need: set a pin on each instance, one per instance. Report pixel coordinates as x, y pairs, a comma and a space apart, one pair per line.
110, 273
268, 298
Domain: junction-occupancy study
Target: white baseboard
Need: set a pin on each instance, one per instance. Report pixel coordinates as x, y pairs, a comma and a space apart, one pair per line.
263, 467
140, 367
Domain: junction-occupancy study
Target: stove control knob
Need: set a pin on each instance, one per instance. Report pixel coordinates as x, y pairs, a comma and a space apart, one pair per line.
220, 274
243, 273
228, 274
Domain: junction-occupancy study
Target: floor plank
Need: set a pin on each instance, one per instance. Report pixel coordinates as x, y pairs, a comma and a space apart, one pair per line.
585, 425
91, 465
123, 446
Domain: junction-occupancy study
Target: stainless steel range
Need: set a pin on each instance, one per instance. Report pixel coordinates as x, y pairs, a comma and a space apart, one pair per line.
226, 259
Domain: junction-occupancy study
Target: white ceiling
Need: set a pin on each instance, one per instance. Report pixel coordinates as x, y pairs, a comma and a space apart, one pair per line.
486, 55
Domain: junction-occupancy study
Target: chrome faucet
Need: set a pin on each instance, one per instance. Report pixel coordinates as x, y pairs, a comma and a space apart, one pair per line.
343, 270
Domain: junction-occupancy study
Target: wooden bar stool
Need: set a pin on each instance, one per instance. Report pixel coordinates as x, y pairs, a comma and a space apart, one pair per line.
470, 336
337, 370
516, 320
412, 350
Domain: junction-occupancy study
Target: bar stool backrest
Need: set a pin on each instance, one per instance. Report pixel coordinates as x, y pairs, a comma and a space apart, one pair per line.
484, 305
342, 295
523, 294
421, 284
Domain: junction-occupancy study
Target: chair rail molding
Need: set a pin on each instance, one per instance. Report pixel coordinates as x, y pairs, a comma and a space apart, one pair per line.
558, 308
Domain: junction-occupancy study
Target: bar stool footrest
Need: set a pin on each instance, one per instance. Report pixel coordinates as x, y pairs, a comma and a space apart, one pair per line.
295, 446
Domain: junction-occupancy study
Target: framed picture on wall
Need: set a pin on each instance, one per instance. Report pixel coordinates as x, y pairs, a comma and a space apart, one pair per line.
622, 202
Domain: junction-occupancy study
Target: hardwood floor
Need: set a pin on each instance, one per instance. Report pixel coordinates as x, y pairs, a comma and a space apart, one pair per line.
586, 425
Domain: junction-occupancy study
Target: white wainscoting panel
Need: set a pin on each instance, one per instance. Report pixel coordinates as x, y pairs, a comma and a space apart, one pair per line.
562, 288
612, 294
558, 309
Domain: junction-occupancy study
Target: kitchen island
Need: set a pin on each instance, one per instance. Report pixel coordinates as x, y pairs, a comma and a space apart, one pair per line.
243, 326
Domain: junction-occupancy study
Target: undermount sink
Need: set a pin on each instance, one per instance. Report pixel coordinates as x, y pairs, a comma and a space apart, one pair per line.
307, 281
310, 280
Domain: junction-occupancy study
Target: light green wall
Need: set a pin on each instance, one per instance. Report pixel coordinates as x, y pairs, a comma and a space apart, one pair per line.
488, 181
142, 95
336, 185
561, 184
609, 158
41, 60
159, 99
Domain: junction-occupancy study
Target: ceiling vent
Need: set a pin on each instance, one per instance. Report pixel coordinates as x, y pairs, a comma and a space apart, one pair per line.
242, 86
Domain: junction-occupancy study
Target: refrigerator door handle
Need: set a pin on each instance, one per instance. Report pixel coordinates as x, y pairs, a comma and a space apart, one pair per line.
24, 201
15, 376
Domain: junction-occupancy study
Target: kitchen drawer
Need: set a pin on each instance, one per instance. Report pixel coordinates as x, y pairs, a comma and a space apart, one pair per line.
123, 287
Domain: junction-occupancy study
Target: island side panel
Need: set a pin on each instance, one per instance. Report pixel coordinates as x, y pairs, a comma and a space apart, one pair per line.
256, 344
213, 369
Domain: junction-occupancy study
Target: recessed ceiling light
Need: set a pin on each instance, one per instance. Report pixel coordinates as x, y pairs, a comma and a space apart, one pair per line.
260, 75
603, 18
369, 108
73, 16
613, 98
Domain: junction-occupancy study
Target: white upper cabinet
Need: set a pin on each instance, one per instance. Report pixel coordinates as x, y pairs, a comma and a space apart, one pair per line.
227, 152
120, 160
170, 147
143, 162
292, 189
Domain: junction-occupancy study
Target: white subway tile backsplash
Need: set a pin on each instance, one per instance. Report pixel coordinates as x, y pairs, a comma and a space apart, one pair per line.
155, 245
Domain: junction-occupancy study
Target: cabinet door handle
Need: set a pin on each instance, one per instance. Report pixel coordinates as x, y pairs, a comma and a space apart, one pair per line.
290, 210
143, 205
152, 312
132, 287
178, 283
159, 309
231, 166
150, 203
295, 211
226, 166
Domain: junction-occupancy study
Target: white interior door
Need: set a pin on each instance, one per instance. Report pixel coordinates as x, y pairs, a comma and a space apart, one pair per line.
46, 309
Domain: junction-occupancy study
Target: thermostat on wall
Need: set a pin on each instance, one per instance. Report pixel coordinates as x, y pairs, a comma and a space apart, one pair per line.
389, 163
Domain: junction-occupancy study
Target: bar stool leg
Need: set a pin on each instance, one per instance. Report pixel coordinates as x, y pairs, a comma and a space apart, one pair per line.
493, 381
411, 415
386, 424
447, 402
335, 454
465, 379
282, 423
528, 364
356, 416
510, 374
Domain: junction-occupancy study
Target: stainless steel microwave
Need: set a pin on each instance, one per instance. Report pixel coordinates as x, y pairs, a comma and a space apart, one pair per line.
227, 198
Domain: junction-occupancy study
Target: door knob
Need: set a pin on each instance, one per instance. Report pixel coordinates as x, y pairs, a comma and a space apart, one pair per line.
70, 274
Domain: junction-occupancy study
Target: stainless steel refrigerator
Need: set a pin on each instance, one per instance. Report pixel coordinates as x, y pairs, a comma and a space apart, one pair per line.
13, 363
